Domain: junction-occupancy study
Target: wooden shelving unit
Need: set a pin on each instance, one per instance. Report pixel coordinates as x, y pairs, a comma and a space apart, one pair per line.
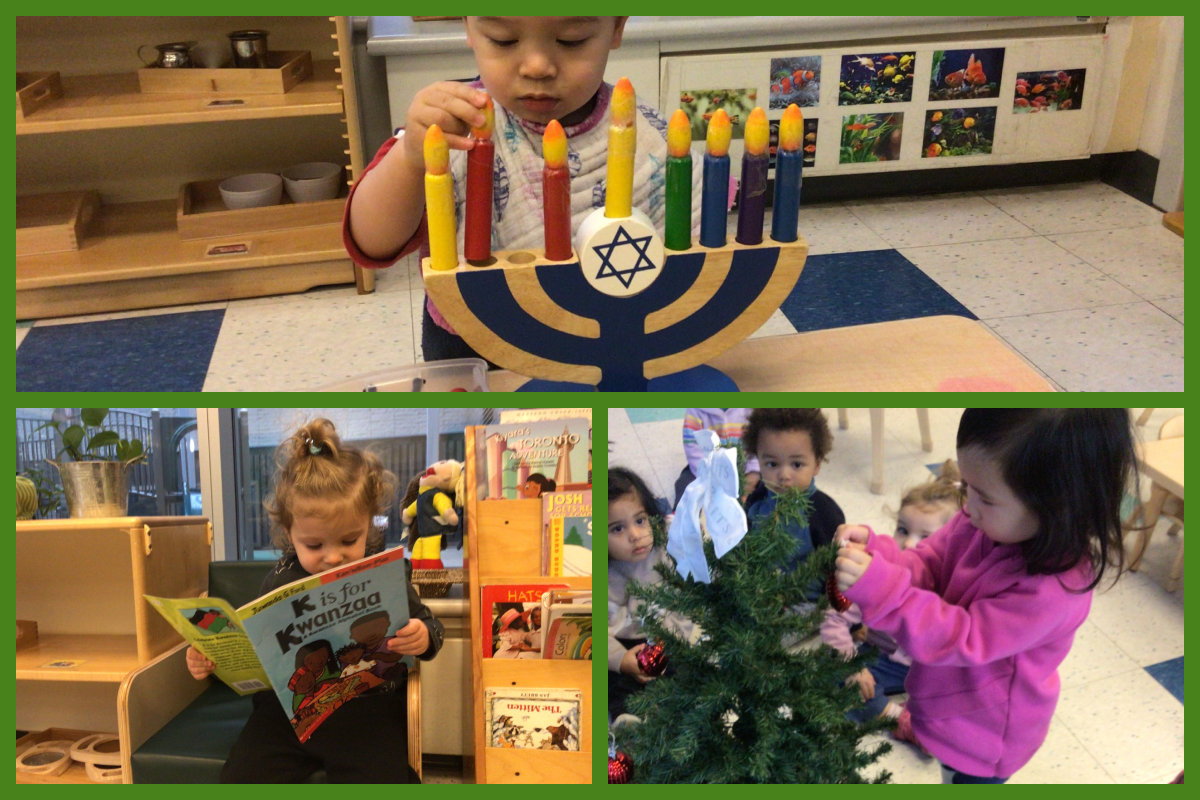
82, 581
504, 546
131, 255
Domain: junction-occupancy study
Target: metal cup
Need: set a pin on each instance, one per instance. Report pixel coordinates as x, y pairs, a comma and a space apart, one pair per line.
172, 55
249, 49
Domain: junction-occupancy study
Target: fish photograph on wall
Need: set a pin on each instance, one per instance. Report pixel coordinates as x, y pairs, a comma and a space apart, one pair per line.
868, 138
966, 74
876, 78
1052, 90
959, 132
701, 104
795, 80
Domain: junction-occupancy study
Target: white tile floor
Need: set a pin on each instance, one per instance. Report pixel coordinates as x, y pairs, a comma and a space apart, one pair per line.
1114, 722
1081, 279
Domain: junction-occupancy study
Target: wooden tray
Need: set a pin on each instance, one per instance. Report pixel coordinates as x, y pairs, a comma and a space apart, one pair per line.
53, 223
36, 89
288, 68
200, 213
76, 773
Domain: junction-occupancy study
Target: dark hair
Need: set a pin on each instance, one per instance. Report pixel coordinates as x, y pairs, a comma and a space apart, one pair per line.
809, 420
622, 482
313, 647
1071, 467
546, 484
366, 618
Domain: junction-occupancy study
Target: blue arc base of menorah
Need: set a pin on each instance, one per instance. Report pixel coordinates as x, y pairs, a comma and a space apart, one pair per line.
623, 346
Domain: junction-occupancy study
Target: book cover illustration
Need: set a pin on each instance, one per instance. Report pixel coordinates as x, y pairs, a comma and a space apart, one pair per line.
568, 621
523, 460
533, 719
318, 642
515, 611
567, 540
542, 414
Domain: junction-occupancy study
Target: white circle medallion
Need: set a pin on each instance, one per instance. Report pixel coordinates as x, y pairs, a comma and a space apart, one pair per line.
619, 257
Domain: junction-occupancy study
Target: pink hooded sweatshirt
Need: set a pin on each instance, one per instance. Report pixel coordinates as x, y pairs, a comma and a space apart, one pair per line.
985, 638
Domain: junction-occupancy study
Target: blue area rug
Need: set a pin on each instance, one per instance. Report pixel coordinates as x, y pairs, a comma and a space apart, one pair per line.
836, 291
1170, 675
164, 353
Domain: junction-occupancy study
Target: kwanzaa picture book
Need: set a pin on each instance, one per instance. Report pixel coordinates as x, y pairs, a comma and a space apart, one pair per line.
319, 642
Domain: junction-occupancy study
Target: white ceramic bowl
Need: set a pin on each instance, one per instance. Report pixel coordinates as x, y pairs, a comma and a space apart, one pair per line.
307, 183
252, 191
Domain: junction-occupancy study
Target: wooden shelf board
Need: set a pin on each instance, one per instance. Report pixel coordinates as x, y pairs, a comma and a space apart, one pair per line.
106, 658
139, 240
92, 102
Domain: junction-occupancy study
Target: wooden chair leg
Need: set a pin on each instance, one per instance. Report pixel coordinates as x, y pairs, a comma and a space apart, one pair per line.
843, 418
876, 451
414, 720
926, 437
1176, 570
1149, 514
1145, 417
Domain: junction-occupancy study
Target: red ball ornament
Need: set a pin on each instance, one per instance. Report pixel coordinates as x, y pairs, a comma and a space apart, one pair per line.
651, 660
620, 768
836, 598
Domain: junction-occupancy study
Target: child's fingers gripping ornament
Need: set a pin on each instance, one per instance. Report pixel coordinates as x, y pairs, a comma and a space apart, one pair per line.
652, 659
836, 598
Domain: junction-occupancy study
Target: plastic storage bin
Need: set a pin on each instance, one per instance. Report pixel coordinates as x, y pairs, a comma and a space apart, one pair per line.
459, 375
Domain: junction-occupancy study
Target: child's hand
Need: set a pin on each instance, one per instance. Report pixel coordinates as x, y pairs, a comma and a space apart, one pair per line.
866, 683
452, 106
852, 562
198, 665
852, 535
629, 665
411, 640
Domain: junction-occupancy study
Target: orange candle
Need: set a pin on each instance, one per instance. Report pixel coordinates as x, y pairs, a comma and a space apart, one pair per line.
622, 146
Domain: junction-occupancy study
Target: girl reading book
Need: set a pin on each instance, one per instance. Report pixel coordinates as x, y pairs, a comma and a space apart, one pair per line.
325, 499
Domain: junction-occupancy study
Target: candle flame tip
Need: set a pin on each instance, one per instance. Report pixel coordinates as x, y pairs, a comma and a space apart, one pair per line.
720, 132
437, 151
554, 145
679, 134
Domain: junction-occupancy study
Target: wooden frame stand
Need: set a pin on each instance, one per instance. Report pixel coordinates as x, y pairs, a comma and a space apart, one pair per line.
504, 546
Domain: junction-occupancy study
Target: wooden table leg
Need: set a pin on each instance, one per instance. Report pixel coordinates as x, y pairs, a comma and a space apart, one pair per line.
1149, 515
1145, 417
926, 437
876, 451
843, 418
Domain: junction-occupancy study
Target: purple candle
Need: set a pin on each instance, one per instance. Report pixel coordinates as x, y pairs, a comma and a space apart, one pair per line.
754, 179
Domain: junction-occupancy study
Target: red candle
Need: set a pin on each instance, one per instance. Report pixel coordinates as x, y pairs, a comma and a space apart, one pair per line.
556, 194
480, 168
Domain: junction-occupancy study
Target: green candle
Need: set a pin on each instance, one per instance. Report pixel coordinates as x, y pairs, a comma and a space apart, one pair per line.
679, 182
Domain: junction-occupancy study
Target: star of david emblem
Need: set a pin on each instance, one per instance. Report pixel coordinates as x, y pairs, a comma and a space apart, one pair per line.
625, 276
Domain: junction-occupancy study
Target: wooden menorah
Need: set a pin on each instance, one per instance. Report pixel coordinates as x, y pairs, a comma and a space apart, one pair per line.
550, 321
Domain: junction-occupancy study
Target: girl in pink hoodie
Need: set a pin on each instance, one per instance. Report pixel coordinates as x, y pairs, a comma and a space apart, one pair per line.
988, 606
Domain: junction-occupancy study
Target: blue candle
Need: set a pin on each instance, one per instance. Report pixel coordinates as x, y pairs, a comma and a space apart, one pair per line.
714, 206
789, 167
785, 218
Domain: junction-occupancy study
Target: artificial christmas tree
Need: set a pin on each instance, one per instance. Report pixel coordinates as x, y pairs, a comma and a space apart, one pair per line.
745, 703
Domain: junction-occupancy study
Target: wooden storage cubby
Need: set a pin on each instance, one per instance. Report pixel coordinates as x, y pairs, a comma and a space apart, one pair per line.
82, 581
137, 258
76, 773
54, 223
504, 546
200, 213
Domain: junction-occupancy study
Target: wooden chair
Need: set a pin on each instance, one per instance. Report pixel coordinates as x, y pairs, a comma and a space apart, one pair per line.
1172, 511
192, 748
877, 440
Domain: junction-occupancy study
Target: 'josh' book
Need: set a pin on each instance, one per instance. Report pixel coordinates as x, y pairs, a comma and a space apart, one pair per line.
319, 642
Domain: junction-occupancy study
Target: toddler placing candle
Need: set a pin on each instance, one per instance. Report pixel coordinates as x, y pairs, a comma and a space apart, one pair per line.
536, 70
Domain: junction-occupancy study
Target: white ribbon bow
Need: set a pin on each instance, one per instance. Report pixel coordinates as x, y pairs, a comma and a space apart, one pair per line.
714, 491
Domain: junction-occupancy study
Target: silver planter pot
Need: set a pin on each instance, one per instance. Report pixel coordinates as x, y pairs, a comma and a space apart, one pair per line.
95, 488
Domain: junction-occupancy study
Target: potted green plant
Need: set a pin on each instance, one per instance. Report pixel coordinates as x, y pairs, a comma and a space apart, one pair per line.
95, 478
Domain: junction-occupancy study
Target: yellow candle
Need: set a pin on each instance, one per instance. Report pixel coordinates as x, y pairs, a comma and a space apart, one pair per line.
622, 145
439, 202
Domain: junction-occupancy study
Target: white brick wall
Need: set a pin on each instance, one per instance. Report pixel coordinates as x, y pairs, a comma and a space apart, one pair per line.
268, 426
